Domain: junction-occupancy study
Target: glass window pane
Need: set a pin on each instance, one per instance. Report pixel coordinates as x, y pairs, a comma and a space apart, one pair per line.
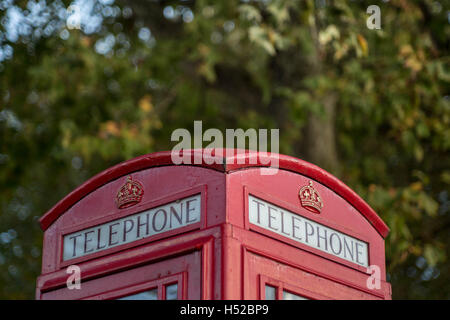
270, 292
145, 295
291, 296
172, 292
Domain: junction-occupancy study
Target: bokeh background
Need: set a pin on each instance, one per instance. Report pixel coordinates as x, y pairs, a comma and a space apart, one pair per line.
86, 84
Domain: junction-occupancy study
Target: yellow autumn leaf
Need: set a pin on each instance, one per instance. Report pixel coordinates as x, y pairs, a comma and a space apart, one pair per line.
416, 186
406, 50
363, 44
414, 64
329, 34
111, 127
145, 103
271, 35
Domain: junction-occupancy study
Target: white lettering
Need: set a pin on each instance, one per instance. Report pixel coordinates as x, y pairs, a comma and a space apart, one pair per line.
138, 226
213, 153
306, 231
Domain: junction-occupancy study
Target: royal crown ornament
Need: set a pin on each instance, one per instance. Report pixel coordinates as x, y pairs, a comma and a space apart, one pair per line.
310, 198
129, 194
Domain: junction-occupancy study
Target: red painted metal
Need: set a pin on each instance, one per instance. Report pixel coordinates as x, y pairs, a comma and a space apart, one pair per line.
129, 211
223, 256
249, 159
320, 219
186, 268
145, 255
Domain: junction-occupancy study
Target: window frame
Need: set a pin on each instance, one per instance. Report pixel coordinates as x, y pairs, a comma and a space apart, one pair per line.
160, 284
281, 286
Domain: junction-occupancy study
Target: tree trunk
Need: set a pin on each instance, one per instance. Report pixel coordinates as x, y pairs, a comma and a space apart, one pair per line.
320, 139
320, 135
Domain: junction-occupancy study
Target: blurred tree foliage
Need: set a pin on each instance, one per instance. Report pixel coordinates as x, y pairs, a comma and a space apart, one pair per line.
78, 95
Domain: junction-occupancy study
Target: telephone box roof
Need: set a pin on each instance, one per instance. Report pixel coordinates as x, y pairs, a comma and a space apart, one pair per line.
229, 161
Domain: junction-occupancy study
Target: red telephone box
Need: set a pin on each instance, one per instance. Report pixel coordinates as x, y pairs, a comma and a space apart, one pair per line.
149, 229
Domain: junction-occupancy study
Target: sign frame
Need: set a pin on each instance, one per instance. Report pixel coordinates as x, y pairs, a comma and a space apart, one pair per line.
303, 213
122, 213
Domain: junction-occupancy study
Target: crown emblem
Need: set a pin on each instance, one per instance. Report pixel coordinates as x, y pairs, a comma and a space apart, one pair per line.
310, 198
129, 194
